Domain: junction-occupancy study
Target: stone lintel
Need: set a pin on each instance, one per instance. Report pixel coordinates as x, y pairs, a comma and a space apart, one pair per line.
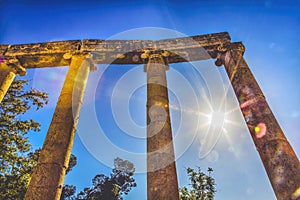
43, 48
51, 54
3, 48
46, 54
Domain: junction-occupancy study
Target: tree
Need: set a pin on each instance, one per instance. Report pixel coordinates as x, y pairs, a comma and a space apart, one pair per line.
202, 186
114, 187
68, 192
16, 157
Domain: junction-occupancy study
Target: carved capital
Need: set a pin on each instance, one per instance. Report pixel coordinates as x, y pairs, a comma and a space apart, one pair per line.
13, 65
148, 55
222, 49
145, 54
88, 58
155, 53
237, 46
67, 56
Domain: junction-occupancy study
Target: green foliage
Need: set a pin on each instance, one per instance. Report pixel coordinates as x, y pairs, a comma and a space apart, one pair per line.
202, 186
72, 163
114, 187
16, 158
68, 192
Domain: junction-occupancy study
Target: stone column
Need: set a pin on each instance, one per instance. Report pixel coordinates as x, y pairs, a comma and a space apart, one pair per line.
162, 181
48, 176
7, 75
277, 155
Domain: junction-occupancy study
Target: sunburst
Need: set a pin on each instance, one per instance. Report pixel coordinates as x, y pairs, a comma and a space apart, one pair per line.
216, 121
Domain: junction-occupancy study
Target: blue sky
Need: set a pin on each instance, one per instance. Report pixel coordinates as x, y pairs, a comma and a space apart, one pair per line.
269, 30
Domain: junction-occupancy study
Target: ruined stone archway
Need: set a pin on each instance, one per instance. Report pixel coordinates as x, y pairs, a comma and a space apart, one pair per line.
48, 176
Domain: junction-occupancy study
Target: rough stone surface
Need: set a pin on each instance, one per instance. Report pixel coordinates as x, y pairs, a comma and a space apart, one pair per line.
7, 76
48, 176
46, 54
277, 155
279, 159
51, 54
161, 170
3, 48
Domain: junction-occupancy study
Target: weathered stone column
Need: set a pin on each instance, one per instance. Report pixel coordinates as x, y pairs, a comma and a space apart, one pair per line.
7, 75
162, 181
277, 155
48, 176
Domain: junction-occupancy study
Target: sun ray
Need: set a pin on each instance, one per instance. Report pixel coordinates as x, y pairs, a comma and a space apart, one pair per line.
203, 125
206, 100
223, 98
232, 110
204, 114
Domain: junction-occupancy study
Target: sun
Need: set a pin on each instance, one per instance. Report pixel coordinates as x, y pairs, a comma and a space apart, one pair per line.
218, 122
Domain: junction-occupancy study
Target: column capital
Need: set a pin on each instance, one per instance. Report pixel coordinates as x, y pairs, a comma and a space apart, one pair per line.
150, 56
12, 65
152, 53
237, 46
85, 57
17, 69
223, 49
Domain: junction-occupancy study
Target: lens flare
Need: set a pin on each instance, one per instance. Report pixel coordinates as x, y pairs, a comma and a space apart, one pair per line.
296, 194
135, 58
241, 98
257, 129
260, 130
